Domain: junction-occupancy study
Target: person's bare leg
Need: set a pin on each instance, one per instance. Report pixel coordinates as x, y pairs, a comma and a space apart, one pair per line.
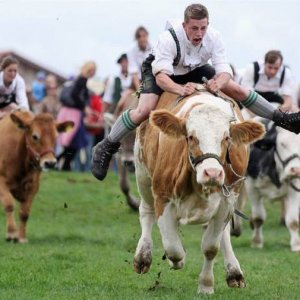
128, 121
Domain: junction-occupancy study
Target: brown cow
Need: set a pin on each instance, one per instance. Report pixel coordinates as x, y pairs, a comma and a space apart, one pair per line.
189, 160
27, 145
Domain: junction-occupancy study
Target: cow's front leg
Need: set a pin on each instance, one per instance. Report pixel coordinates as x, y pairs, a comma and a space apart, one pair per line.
292, 205
143, 254
258, 214
24, 215
210, 245
9, 207
234, 274
168, 225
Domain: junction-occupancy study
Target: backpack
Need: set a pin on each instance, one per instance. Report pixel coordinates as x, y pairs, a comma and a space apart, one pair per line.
256, 74
65, 96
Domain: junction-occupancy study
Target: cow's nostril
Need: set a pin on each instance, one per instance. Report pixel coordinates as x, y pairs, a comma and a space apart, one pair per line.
50, 164
213, 173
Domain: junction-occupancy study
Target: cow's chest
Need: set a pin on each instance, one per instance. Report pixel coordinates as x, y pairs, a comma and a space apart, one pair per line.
196, 209
22, 187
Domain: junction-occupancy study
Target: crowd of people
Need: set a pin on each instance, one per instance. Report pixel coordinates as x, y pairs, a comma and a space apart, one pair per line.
172, 65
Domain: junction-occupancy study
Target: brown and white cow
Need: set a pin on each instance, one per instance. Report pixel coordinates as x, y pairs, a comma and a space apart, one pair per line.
182, 174
27, 145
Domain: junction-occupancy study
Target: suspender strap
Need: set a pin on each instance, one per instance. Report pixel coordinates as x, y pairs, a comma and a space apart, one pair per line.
256, 74
282, 77
178, 55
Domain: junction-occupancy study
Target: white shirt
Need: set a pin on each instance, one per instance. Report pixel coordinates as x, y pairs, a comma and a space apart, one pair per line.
126, 82
17, 87
136, 56
211, 48
268, 85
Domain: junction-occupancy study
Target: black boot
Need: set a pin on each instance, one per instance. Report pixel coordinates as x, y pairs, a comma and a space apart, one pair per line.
102, 154
287, 121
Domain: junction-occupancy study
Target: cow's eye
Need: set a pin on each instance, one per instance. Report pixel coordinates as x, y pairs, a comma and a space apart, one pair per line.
191, 138
35, 137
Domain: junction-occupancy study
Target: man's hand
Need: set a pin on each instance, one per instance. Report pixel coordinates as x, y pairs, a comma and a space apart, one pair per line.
188, 89
213, 86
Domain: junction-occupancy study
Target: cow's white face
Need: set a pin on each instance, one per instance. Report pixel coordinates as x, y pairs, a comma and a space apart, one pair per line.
287, 145
208, 132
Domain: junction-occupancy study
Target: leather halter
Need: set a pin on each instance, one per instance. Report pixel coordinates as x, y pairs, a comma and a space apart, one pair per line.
287, 160
285, 163
37, 155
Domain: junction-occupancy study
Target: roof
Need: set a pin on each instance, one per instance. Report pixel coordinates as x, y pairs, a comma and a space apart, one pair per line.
32, 64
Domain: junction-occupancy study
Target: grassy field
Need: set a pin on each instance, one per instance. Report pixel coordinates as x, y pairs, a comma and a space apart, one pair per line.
82, 237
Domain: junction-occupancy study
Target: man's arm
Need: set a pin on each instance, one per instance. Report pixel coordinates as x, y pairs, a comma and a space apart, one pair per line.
218, 82
287, 103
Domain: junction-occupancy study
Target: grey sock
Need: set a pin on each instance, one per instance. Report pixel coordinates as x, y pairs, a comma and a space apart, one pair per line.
122, 127
259, 105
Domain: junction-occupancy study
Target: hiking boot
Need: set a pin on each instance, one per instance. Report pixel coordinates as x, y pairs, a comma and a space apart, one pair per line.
102, 154
287, 121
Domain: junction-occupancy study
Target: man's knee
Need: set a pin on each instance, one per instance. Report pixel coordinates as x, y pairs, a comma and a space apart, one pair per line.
235, 90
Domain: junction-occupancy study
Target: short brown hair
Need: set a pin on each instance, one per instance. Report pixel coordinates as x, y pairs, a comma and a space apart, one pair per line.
272, 56
139, 30
7, 61
195, 11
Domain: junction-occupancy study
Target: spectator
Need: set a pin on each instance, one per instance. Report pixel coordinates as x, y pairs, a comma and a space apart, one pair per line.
116, 85
39, 87
74, 98
138, 54
50, 104
271, 79
12, 87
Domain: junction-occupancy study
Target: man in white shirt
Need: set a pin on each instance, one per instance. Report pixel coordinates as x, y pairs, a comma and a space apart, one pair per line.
138, 54
116, 85
179, 60
271, 79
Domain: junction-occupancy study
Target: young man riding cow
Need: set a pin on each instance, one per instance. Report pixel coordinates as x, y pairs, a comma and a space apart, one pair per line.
179, 60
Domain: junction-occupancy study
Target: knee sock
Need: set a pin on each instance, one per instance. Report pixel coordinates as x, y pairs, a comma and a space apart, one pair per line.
259, 105
123, 126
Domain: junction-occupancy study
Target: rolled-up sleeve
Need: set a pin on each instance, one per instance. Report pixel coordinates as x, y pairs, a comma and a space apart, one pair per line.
165, 53
21, 96
219, 58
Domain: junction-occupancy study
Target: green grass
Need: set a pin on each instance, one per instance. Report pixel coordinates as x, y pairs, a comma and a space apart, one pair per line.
82, 237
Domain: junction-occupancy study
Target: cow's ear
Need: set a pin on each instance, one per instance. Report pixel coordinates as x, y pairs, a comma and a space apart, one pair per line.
246, 132
64, 126
22, 119
168, 123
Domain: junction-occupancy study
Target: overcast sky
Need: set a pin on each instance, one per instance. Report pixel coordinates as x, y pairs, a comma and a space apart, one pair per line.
62, 34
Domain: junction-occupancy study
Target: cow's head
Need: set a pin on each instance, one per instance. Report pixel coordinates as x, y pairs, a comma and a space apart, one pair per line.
40, 136
208, 133
287, 154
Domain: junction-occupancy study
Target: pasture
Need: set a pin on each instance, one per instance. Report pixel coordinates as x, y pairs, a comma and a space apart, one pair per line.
82, 237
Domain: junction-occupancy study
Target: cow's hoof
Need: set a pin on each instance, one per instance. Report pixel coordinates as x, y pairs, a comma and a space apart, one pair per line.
257, 242
11, 237
235, 280
236, 231
22, 241
176, 264
208, 290
295, 247
142, 260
